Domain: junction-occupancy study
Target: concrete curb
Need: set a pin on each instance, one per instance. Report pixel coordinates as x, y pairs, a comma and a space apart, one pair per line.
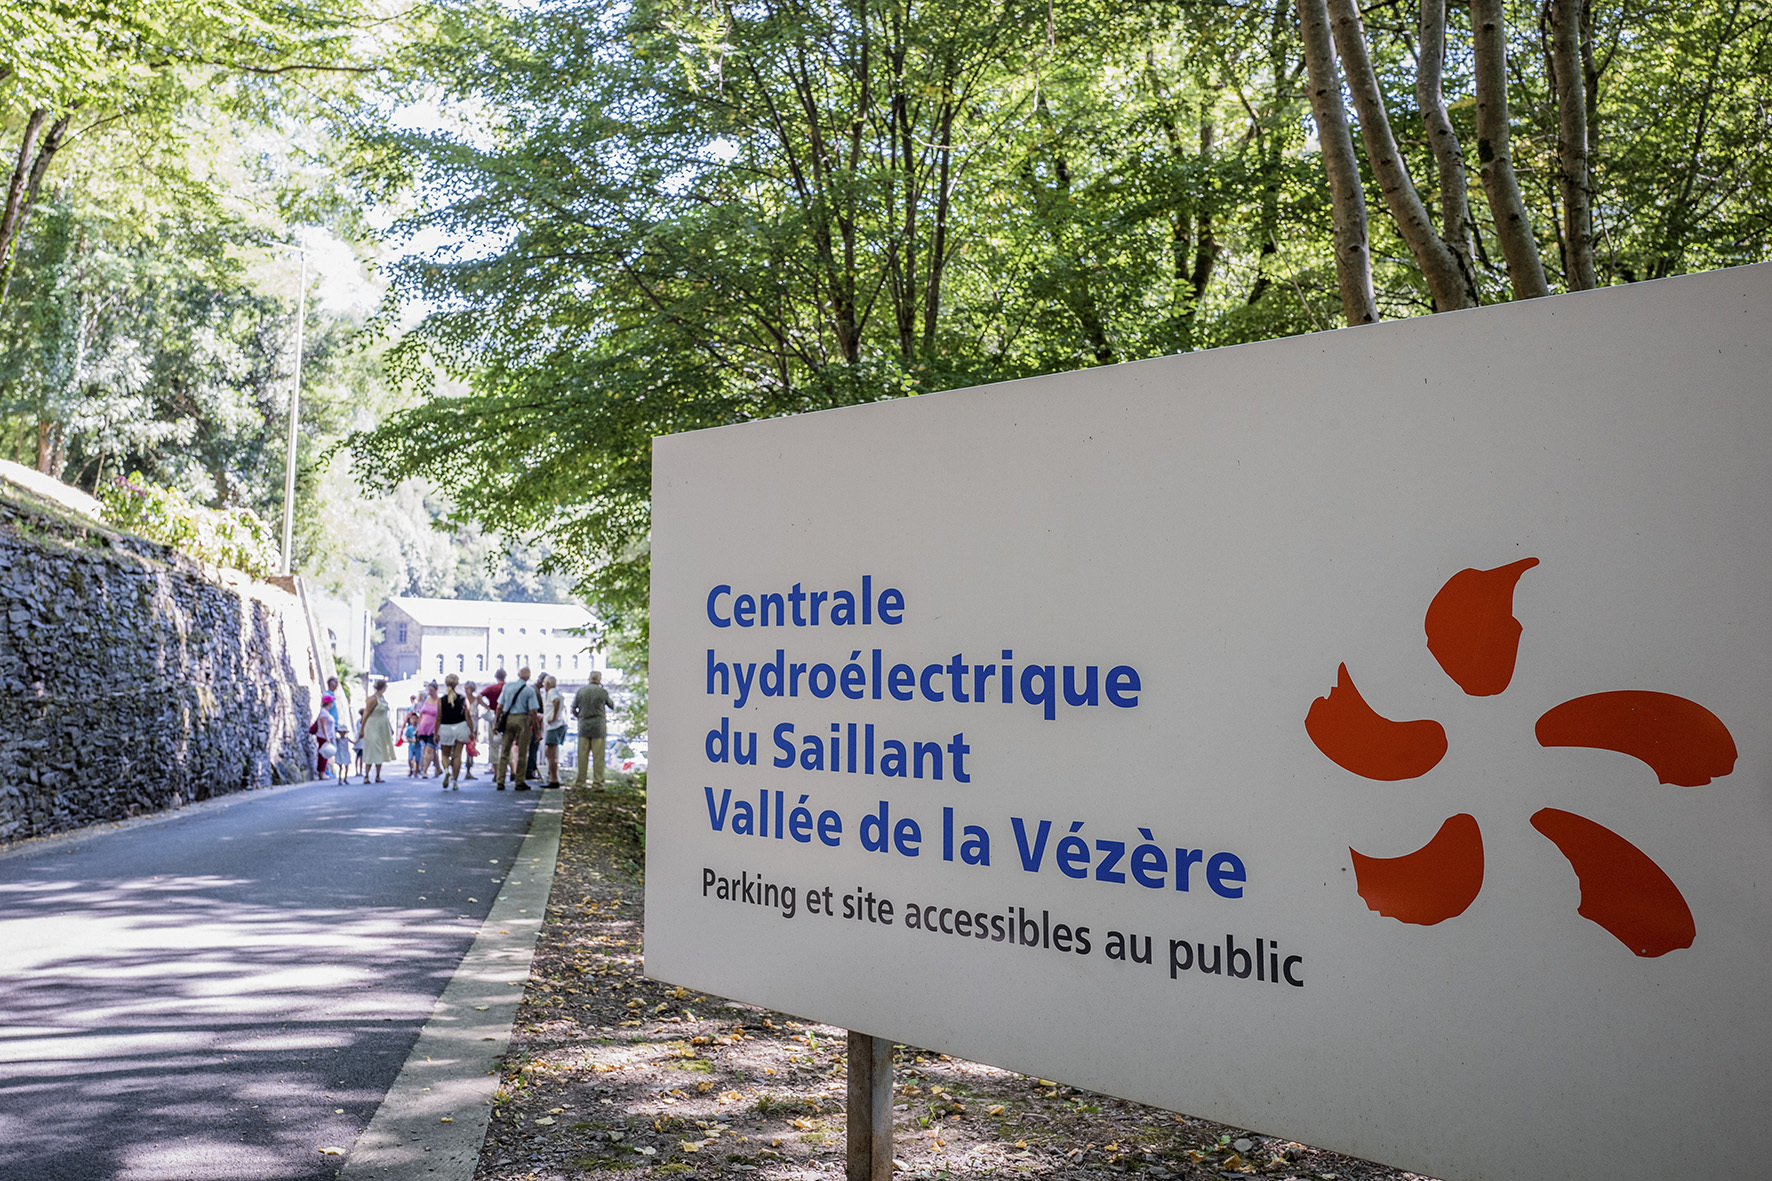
432, 1122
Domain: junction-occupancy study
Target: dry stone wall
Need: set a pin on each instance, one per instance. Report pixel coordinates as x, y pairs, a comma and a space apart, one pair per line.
132, 680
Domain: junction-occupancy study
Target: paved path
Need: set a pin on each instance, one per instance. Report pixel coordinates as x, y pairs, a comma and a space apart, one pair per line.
222, 994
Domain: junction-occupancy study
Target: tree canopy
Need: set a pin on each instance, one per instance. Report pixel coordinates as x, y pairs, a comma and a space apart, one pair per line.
600, 222
666, 214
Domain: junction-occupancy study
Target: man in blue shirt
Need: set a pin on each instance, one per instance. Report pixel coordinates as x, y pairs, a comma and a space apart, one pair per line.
520, 706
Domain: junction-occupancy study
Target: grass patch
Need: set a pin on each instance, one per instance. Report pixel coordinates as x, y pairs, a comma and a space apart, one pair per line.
693, 1065
770, 1105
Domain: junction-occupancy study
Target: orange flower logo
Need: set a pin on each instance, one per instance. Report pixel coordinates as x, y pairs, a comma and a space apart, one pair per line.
1472, 633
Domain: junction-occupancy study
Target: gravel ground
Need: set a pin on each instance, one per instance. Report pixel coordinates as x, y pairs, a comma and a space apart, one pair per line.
610, 1073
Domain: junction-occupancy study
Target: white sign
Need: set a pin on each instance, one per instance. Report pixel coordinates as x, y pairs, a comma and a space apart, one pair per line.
1361, 737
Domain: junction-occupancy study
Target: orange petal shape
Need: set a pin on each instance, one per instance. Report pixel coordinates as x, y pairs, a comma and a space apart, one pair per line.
1346, 729
1471, 629
1621, 888
1436, 882
1682, 741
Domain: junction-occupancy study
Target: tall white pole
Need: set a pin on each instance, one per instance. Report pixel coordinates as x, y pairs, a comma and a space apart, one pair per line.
301, 319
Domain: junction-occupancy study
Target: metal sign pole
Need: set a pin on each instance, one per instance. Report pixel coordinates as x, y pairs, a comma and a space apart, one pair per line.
301, 317
870, 1108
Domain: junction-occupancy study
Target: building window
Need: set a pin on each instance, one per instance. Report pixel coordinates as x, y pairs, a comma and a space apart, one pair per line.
501, 660
439, 662
522, 631
501, 631
461, 663
480, 662
399, 633
575, 662
541, 631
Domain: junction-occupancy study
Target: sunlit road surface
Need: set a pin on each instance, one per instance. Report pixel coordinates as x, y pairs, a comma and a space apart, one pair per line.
225, 994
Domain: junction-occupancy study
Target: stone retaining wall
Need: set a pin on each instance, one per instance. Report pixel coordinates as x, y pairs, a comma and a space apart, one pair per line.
133, 680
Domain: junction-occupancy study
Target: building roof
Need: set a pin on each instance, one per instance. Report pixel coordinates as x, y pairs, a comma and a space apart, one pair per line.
490, 613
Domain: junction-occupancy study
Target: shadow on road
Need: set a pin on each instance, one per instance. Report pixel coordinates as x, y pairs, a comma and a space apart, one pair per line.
162, 1023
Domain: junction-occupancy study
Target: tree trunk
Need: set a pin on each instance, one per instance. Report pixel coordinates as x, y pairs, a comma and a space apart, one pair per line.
1053, 204
1190, 265
1572, 159
15, 227
1438, 264
1455, 209
1353, 251
1513, 228
1272, 148
15, 191
1206, 247
938, 249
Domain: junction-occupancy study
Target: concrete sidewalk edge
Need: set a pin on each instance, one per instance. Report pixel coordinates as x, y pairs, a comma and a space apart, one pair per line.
433, 1119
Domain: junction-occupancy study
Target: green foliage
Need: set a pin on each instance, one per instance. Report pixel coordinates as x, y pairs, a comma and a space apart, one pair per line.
672, 218
237, 538
147, 310
662, 216
1677, 126
409, 541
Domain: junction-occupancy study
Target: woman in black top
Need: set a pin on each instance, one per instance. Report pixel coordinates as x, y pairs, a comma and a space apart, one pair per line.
452, 731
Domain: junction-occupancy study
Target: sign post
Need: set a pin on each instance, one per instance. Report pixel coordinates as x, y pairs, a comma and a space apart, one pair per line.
870, 1108
1359, 737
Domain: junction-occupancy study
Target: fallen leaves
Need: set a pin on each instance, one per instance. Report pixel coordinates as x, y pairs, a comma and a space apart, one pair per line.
595, 1037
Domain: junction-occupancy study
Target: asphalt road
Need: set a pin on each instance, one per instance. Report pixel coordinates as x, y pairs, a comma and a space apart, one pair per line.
221, 995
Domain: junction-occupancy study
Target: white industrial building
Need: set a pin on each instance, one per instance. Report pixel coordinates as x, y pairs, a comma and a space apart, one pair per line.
424, 637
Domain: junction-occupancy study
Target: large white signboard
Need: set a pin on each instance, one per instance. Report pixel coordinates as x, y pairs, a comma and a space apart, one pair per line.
1365, 737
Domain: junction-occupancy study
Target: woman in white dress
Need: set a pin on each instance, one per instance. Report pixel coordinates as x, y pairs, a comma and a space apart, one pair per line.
377, 730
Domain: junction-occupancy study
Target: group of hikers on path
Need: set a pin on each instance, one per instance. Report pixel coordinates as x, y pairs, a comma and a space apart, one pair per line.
442, 730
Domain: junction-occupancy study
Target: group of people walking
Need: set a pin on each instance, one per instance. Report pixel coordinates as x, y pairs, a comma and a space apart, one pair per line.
441, 730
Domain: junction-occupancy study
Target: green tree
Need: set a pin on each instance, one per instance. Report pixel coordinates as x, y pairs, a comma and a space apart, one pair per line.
158, 155
1613, 142
670, 216
78, 71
